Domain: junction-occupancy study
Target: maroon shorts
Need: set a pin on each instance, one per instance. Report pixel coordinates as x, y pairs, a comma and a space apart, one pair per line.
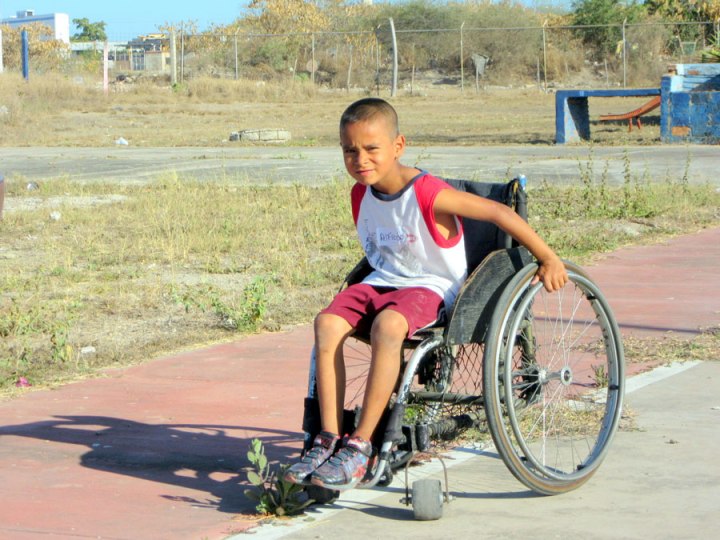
360, 303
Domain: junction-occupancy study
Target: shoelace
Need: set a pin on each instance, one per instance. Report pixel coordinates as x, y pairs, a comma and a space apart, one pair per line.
313, 453
340, 456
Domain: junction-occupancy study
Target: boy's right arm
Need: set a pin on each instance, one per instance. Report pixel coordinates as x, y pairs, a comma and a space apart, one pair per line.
552, 271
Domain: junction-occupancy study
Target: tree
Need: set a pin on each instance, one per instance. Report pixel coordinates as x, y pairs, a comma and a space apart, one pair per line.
287, 16
685, 10
45, 54
603, 17
89, 31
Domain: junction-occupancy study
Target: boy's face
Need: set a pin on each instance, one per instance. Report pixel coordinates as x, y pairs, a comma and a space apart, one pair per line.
371, 152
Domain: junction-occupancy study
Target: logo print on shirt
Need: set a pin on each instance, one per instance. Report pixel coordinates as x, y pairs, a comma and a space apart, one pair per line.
394, 238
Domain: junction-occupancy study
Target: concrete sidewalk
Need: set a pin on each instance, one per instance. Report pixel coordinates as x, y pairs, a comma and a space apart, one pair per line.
660, 481
157, 451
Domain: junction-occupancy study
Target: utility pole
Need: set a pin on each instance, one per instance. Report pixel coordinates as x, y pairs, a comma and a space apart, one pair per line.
173, 59
393, 90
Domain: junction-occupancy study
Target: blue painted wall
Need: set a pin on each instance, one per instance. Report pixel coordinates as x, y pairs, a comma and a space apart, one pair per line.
690, 106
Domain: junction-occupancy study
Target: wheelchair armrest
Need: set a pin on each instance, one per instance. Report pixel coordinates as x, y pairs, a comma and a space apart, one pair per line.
479, 294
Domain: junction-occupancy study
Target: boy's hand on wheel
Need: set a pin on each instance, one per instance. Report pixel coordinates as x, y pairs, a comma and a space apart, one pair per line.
552, 273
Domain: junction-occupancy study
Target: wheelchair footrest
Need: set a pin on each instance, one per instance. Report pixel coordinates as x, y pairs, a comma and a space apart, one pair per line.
418, 437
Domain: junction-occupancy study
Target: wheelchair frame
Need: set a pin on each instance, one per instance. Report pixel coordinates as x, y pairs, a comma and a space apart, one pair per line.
544, 372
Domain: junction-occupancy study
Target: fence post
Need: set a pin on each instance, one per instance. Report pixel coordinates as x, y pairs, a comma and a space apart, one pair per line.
182, 53
237, 69
462, 62
393, 89
624, 42
106, 87
544, 27
312, 66
377, 61
349, 74
2, 68
173, 59
25, 55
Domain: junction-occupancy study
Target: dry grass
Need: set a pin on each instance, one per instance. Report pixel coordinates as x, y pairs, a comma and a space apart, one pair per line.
58, 111
131, 272
136, 271
161, 267
672, 348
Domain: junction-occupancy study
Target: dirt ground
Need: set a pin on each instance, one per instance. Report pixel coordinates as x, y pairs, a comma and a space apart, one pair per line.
429, 116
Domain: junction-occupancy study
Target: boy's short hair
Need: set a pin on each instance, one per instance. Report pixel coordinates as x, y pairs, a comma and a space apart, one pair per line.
367, 109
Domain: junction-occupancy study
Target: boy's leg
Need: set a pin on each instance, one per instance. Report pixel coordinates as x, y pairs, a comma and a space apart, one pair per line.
400, 313
349, 465
389, 330
331, 331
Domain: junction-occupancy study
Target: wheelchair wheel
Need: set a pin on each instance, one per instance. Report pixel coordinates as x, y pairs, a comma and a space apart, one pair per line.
444, 399
553, 378
322, 495
451, 395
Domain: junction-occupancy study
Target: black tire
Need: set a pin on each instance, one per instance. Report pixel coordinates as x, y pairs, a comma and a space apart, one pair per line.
322, 495
553, 378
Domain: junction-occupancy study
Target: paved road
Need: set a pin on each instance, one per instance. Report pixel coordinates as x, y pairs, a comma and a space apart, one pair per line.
157, 451
555, 164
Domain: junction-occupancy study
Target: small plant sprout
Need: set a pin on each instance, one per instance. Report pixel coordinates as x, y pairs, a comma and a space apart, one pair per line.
272, 494
600, 376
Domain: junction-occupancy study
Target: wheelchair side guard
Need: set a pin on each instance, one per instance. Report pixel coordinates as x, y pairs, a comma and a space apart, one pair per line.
479, 294
361, 270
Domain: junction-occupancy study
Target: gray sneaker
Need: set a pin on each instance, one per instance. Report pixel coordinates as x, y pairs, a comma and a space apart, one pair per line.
323, 447
346, 468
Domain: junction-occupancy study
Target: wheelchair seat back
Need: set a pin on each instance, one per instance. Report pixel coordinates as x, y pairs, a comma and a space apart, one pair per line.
481, 237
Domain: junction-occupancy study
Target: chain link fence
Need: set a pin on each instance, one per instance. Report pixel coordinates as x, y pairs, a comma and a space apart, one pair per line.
469, 58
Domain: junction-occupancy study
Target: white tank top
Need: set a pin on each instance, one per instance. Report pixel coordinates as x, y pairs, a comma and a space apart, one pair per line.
401, 240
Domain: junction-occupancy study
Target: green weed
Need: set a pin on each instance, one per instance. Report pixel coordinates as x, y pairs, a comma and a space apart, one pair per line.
600, 375
246, 315
61, 351
269, 491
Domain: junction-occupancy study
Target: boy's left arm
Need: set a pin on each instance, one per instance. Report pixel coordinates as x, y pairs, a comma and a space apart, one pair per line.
551, 272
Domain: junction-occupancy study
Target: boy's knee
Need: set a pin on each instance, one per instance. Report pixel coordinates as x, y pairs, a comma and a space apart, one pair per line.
389, 325
328, 324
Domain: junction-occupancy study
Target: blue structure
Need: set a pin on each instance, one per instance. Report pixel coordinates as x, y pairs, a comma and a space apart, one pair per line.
690, 104
572, 118
25, 55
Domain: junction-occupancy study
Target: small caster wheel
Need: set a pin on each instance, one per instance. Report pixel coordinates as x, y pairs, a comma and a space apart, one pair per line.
427, 499
322, 495
386, 479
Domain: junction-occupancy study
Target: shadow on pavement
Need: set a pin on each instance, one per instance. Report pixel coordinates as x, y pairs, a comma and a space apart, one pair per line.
205, 458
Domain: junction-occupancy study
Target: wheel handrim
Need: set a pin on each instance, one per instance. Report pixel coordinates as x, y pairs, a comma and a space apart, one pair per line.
542, 427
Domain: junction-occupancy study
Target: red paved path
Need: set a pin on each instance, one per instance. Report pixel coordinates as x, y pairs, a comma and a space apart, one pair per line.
153, 452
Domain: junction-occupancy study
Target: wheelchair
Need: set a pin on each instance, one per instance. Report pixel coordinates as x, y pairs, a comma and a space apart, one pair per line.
543, 373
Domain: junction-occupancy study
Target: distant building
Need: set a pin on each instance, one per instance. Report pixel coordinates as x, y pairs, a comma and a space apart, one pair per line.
58, 22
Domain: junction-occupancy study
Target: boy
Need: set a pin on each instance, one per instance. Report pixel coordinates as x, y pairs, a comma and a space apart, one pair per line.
409, 225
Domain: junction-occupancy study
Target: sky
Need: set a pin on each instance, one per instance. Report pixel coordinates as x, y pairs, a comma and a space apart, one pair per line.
126, 19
